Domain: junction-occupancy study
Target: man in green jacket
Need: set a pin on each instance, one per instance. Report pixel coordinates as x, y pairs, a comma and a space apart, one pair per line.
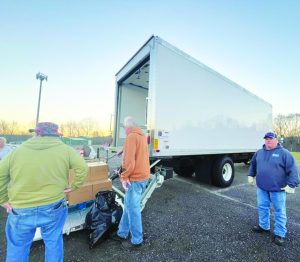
33, 184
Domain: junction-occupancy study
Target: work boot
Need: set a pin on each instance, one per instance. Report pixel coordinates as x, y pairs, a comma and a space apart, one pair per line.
129, 246
116, 237
258, 229
279, 241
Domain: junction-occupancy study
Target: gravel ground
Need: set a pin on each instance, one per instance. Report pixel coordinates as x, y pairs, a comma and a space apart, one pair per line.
186, 220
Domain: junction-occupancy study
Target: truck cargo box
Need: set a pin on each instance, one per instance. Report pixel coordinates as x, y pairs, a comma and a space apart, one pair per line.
189, 112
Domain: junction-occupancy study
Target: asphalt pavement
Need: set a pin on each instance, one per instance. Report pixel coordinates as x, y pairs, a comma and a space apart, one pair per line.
186, 220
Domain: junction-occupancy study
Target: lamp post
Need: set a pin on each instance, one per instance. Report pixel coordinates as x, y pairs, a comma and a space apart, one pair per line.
40, 77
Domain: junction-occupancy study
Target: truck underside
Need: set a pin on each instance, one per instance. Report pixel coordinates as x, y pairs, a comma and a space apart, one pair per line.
213, 169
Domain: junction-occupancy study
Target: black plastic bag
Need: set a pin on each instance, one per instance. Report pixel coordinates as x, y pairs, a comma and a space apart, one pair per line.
103, 217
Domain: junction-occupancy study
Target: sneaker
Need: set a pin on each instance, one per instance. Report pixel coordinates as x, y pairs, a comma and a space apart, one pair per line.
258, 229
129, 246
279, 241
116, 237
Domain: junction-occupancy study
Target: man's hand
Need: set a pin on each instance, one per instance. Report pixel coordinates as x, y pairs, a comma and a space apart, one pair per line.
7, 206
251, 180
125, 184
67, 190
288, 189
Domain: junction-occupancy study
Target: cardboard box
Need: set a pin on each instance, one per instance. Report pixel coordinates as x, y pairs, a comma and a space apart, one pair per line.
88, 191
82, 194
97, 171
102, 186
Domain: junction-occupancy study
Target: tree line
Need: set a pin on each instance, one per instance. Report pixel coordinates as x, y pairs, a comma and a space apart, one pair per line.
288, 128
287, 125
85, 127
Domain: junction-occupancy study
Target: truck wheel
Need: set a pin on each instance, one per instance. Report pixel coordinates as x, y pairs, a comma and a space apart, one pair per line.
223, 172
185, 168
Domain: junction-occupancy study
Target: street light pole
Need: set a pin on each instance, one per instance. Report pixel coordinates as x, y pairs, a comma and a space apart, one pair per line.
40, 77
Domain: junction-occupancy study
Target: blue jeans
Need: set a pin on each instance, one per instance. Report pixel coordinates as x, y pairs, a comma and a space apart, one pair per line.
131, 221
22, 223
264, 200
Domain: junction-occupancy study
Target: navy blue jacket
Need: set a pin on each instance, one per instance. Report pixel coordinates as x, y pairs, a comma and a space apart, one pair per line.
274, 169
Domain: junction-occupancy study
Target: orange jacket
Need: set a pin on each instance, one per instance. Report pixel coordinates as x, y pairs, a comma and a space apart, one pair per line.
135, 166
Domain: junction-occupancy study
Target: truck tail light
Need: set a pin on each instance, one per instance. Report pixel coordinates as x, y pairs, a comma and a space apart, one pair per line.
155, 145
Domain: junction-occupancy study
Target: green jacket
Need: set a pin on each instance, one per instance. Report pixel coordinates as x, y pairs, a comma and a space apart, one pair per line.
36, 173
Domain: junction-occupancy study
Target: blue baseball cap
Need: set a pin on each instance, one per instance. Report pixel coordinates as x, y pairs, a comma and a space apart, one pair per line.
270, 135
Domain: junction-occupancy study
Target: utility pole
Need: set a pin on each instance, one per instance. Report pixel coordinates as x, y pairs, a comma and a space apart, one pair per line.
40, 77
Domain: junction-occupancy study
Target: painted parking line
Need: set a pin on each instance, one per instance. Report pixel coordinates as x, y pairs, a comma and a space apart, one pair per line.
220, 191
217, 192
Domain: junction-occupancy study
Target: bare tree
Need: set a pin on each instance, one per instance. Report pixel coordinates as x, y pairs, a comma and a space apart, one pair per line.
281, 125
3, 127
288, 127
9, 128
85, 127
69, 128
13, 128
77, 129
88, 126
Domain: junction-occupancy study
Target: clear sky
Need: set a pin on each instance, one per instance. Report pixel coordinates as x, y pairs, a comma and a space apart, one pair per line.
81, 45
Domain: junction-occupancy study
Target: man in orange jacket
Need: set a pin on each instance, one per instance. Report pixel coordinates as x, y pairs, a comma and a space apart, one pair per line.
134, 178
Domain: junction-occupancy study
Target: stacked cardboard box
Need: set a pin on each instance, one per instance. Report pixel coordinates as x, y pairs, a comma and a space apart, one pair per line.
97, 180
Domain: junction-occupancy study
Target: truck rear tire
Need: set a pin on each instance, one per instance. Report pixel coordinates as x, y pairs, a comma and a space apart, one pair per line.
185, 167
223, 172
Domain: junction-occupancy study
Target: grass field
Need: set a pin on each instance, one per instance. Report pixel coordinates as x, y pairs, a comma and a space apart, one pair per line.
297, 157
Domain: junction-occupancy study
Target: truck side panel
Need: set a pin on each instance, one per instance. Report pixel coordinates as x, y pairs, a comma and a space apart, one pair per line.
198, 111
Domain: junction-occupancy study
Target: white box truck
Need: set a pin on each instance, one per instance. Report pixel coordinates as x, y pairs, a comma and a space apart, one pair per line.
196, 120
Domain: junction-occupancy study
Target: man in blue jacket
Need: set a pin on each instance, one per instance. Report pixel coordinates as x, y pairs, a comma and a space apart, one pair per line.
276, 174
